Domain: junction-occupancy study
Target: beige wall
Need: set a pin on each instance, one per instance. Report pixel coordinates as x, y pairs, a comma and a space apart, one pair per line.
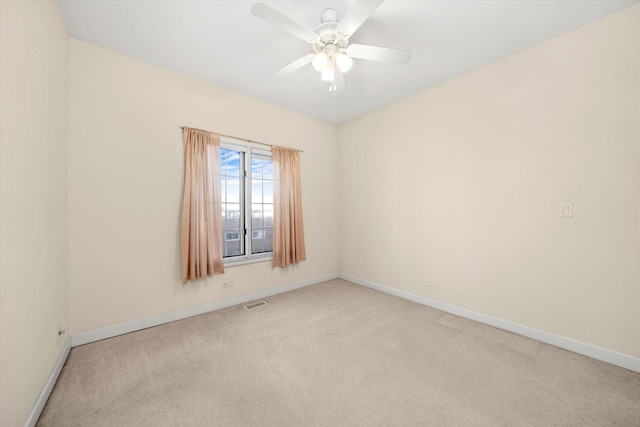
461, 185
33, 200
125, 187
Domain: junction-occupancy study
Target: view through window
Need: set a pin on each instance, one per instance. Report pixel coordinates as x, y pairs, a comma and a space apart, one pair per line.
247, 202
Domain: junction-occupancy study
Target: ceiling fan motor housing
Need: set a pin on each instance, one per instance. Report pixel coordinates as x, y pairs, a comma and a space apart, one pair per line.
327, 32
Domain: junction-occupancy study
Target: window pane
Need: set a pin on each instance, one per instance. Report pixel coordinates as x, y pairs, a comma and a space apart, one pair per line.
267, 169
232, 190
232, 243
256, 216
262, 240
223, 189
224, 154
224, 216
232, 216
230, 162
267, 192
256, 191
256, 168
257, 245
267, 210
268, 240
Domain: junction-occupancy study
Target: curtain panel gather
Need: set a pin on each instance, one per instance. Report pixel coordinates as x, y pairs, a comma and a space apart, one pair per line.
201, 209
288, 234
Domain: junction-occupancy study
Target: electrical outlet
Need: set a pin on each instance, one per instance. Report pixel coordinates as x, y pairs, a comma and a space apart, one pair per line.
426, 283
227, 284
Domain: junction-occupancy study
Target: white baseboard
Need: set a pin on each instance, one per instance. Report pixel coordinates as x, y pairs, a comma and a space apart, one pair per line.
609, 356
32, 419
136, 325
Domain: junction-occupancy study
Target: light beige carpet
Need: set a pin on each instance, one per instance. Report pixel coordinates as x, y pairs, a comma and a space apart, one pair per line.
336, 354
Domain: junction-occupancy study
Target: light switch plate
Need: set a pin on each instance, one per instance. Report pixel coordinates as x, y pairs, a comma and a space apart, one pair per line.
566, 210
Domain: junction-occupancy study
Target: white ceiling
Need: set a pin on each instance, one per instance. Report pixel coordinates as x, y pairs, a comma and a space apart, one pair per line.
223, 43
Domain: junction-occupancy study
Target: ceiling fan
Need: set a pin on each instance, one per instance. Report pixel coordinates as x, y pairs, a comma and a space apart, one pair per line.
332, 54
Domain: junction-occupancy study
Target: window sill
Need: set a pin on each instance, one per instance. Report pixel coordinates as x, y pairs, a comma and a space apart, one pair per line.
244, 261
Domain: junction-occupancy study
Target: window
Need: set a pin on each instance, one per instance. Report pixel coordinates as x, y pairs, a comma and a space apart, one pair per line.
247, 202
232, 237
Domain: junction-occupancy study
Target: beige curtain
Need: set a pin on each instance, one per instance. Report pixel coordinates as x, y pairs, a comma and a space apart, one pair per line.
201, 210
288, 233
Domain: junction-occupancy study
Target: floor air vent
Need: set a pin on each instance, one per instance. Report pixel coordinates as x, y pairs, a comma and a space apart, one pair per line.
255, 305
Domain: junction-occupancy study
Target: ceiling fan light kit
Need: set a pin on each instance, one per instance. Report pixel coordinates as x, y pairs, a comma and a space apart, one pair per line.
332, 54
320, 61
344, 62
328, 57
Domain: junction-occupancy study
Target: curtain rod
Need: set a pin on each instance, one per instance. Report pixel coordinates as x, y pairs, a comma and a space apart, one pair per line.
241, 139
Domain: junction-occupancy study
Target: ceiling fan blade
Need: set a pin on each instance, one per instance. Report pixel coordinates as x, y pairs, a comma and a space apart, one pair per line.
337, 85
359, 12
272, 16
379, 54
295, 65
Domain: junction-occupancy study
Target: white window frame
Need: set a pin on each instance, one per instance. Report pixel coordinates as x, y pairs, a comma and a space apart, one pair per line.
248, 149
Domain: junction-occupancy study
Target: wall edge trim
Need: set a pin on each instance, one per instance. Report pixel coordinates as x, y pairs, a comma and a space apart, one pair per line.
609, 356
38, 406
160, 319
